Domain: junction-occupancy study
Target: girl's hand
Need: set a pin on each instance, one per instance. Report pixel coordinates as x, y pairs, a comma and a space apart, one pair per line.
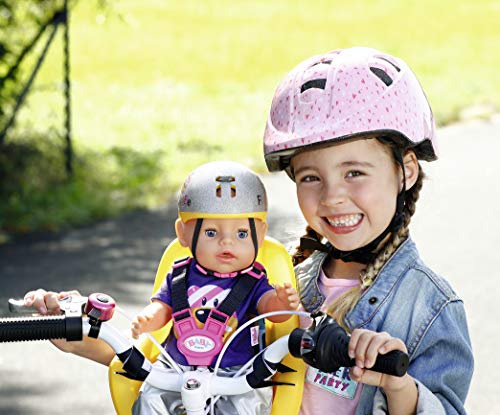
364, 346
401, 392
140, 323
46, 302
287, 296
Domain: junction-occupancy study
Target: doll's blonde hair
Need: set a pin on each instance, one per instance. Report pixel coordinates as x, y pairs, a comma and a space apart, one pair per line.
343, 304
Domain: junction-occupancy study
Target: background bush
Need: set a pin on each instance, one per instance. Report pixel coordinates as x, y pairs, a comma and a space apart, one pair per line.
36, 193
160, 87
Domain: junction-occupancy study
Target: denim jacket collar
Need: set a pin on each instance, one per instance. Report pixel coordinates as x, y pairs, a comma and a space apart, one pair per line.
312, 299
376, 295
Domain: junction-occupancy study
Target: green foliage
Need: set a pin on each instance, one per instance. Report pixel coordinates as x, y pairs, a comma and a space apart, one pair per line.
20, 26
36, 194
193, 80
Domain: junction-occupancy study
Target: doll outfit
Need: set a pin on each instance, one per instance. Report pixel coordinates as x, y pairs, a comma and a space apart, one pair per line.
204, 292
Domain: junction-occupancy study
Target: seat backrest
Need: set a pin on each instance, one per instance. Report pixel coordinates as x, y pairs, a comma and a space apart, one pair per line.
276, 260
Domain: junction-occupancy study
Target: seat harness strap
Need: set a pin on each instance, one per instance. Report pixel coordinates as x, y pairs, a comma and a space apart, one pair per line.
201, 345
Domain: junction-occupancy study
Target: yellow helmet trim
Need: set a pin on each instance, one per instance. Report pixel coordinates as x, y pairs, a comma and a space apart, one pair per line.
186, 216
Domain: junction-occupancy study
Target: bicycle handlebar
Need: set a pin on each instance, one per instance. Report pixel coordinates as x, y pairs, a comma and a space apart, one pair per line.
36, 328
323, 345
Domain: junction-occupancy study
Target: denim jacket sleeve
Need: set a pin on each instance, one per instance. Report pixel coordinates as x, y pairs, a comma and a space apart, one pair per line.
411, 302
441, 365
444, 362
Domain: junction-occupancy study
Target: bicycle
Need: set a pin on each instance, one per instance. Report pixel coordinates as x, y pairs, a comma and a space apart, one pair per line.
322, 345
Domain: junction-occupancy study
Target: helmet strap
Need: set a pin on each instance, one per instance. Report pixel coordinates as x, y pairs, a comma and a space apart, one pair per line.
196, 235
367, 253
253, 234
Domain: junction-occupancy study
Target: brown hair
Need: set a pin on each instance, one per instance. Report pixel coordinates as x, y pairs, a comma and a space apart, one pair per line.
343, 304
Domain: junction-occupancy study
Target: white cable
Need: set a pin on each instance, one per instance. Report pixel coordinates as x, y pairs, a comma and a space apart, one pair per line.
176, 367
248, 323
162, 350
241, 328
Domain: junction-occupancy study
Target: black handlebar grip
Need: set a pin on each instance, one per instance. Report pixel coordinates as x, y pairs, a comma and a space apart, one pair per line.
332, 352
35, 328
393, 363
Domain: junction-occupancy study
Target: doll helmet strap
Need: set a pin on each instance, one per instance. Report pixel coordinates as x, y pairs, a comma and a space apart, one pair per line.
253, 234
344, 94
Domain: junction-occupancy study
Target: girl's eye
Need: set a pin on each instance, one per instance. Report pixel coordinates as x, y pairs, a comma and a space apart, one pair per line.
309, 179
242, 234
353, 173
211, 233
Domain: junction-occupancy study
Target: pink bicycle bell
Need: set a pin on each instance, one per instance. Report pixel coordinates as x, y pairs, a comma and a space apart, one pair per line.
103, 303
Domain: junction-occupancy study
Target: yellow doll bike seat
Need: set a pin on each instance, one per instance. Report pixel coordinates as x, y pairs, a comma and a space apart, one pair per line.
274, 257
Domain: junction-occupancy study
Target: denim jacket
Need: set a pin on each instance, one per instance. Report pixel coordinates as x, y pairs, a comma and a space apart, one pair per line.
409, 301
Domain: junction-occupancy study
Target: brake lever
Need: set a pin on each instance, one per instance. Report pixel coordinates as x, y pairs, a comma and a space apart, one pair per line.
71, 305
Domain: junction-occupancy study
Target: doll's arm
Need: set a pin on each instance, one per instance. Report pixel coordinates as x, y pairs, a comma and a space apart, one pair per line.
281, 298
153, 317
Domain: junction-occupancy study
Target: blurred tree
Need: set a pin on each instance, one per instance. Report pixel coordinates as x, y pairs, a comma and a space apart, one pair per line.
34, 168
22, 25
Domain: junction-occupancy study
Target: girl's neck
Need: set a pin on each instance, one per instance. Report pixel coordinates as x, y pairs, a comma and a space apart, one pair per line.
336, 268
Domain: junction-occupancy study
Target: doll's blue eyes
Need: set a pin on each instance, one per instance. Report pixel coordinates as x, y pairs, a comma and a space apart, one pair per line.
212, 233
242, 234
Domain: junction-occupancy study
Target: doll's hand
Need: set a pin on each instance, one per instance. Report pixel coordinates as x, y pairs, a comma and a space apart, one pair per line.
364, 347
287, 296
140, 323
46, 302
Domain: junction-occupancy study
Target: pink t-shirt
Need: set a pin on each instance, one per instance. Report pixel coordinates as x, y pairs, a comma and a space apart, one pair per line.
332, 393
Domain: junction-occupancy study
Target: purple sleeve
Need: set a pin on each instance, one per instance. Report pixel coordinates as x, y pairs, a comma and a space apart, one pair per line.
164, 292
259, 290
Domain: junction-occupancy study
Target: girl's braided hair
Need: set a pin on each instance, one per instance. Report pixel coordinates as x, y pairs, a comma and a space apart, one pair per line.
343, 304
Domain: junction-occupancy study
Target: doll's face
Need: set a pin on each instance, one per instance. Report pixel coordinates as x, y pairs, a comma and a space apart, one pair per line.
224, 245
347, 192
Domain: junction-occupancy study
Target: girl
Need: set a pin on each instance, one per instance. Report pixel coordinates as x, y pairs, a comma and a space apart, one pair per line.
349, 128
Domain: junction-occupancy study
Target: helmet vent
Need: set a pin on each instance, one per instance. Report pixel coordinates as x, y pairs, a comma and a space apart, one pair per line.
313, 83
382, 75
228, 180
391, 63
322, 63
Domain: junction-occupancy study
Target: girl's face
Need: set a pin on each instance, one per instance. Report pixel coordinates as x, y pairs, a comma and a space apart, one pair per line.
347, 192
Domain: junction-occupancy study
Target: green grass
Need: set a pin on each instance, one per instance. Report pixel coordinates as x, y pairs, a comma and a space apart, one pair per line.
195, 78
162, 72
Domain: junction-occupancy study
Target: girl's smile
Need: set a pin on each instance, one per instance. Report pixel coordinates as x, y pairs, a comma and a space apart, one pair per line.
344, 223
347, 192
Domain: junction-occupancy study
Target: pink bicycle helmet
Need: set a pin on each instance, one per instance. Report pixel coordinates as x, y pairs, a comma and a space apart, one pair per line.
344, 94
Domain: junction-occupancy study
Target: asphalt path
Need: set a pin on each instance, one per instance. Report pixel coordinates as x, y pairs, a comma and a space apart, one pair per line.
455, 227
